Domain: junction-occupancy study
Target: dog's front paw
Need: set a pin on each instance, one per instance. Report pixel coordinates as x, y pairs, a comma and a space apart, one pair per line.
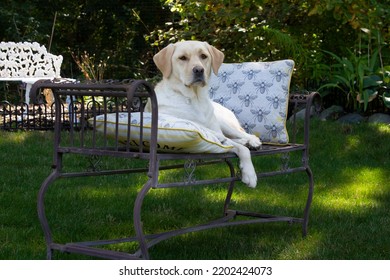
249, 177
254, 142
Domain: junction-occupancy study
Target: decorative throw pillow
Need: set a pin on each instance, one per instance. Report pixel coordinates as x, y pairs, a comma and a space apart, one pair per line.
258, 94
174, 134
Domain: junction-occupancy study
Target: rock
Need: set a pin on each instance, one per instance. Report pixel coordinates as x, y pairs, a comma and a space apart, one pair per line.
351, 118
379, 118
332, 113
300, 115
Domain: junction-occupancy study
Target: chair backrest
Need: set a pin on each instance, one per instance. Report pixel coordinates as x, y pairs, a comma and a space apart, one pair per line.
258, 94
28, 60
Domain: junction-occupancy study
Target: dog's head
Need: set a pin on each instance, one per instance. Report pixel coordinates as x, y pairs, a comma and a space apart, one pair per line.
190, 62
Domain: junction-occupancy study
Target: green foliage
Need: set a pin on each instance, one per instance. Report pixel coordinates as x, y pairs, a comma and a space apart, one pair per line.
356, 77
359, 14
385, 87
386, 98
228, 25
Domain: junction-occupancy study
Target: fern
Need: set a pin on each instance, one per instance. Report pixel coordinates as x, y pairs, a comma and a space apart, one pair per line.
284, 41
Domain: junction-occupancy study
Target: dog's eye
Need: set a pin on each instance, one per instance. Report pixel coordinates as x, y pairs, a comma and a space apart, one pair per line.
183, 58
203, 56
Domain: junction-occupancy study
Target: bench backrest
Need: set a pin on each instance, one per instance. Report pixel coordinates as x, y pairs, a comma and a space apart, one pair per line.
27, 60
258, 94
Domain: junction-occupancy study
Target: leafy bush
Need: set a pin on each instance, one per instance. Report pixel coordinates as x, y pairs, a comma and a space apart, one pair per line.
243, 30
357, 77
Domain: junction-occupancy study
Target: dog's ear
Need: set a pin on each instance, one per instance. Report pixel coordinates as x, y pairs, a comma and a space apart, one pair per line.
216, 58
163, 60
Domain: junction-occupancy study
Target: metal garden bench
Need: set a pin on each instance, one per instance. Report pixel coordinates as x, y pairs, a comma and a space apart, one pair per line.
99, 127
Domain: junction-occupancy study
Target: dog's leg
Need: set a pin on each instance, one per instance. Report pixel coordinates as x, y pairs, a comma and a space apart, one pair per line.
231, 128
239, 135
248, 140
248, 173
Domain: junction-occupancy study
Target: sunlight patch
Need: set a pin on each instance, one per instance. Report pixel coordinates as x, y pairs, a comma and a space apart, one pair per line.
304, 249
14, 137
353, 143
385, 129
359, 193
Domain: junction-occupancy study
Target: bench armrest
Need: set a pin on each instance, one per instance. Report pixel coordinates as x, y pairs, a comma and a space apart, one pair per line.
311, 103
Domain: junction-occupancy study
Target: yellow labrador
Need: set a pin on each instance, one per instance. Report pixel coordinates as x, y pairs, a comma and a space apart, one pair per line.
183, 93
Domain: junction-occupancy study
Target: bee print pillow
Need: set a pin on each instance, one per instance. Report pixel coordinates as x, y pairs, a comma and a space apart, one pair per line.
258, 94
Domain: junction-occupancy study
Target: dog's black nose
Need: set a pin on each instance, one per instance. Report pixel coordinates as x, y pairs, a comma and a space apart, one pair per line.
198, 70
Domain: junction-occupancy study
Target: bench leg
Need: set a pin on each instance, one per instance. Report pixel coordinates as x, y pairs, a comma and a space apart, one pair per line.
42, 215
230, 189
137, 220
308, 202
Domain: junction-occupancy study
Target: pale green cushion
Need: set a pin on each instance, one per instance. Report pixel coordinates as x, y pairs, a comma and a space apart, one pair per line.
258, 94
174, 134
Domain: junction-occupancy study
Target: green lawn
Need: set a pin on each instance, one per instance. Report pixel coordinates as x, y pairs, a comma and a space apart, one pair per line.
350, 217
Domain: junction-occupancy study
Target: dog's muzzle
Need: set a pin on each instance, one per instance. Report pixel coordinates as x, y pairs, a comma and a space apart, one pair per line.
198, 76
